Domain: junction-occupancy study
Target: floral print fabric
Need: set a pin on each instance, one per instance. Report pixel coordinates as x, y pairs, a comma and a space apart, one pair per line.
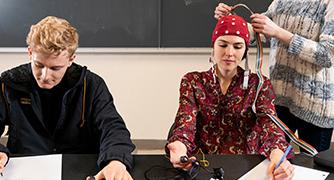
226, 124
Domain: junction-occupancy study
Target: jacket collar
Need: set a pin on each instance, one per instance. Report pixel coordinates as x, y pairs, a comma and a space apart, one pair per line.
21, 77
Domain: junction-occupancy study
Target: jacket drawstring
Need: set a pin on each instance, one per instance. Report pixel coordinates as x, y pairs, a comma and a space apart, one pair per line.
83, 104
4, 98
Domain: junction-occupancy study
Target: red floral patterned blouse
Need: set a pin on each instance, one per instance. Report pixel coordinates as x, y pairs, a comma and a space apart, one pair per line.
226, 124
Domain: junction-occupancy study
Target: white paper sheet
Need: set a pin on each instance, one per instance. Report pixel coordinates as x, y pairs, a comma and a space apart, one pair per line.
33, 168
259, 172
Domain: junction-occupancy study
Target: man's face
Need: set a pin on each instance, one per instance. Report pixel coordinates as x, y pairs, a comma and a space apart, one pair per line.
49, 69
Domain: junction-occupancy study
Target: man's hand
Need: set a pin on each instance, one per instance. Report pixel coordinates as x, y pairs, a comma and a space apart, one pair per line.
115, 170
176, 150
3, 161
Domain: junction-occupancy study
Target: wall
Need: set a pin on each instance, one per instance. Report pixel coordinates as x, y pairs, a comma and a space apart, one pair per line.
144, 82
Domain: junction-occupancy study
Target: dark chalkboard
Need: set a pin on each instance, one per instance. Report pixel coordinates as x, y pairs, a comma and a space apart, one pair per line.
100, 23
189, 23
120, 23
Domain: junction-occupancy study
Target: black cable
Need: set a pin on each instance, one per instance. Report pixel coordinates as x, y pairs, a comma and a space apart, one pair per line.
158, 172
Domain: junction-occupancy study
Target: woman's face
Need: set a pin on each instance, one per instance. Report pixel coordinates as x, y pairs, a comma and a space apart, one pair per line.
228, 52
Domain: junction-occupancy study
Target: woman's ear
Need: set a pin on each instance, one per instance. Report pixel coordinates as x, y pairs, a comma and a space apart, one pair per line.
245, 54
211, 59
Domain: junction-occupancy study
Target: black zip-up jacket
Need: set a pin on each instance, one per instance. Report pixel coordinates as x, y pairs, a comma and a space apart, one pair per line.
88, 122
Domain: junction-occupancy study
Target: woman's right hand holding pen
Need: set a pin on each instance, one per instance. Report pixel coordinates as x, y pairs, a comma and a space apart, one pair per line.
278, 170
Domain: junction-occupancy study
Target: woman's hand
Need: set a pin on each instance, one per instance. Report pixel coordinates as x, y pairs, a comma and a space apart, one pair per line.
177, 149
222, 10
264, 25
285, 171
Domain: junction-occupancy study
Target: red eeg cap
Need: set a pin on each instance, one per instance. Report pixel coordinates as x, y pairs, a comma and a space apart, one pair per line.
231, 25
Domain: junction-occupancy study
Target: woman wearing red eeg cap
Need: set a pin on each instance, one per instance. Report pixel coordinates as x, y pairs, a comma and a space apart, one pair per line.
301, 64
215, 112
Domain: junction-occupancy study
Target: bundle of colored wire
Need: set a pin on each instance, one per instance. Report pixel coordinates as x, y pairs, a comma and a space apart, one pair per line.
273, 117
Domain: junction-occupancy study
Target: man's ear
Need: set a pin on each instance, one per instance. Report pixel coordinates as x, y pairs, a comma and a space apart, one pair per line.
71, 60
29, 51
